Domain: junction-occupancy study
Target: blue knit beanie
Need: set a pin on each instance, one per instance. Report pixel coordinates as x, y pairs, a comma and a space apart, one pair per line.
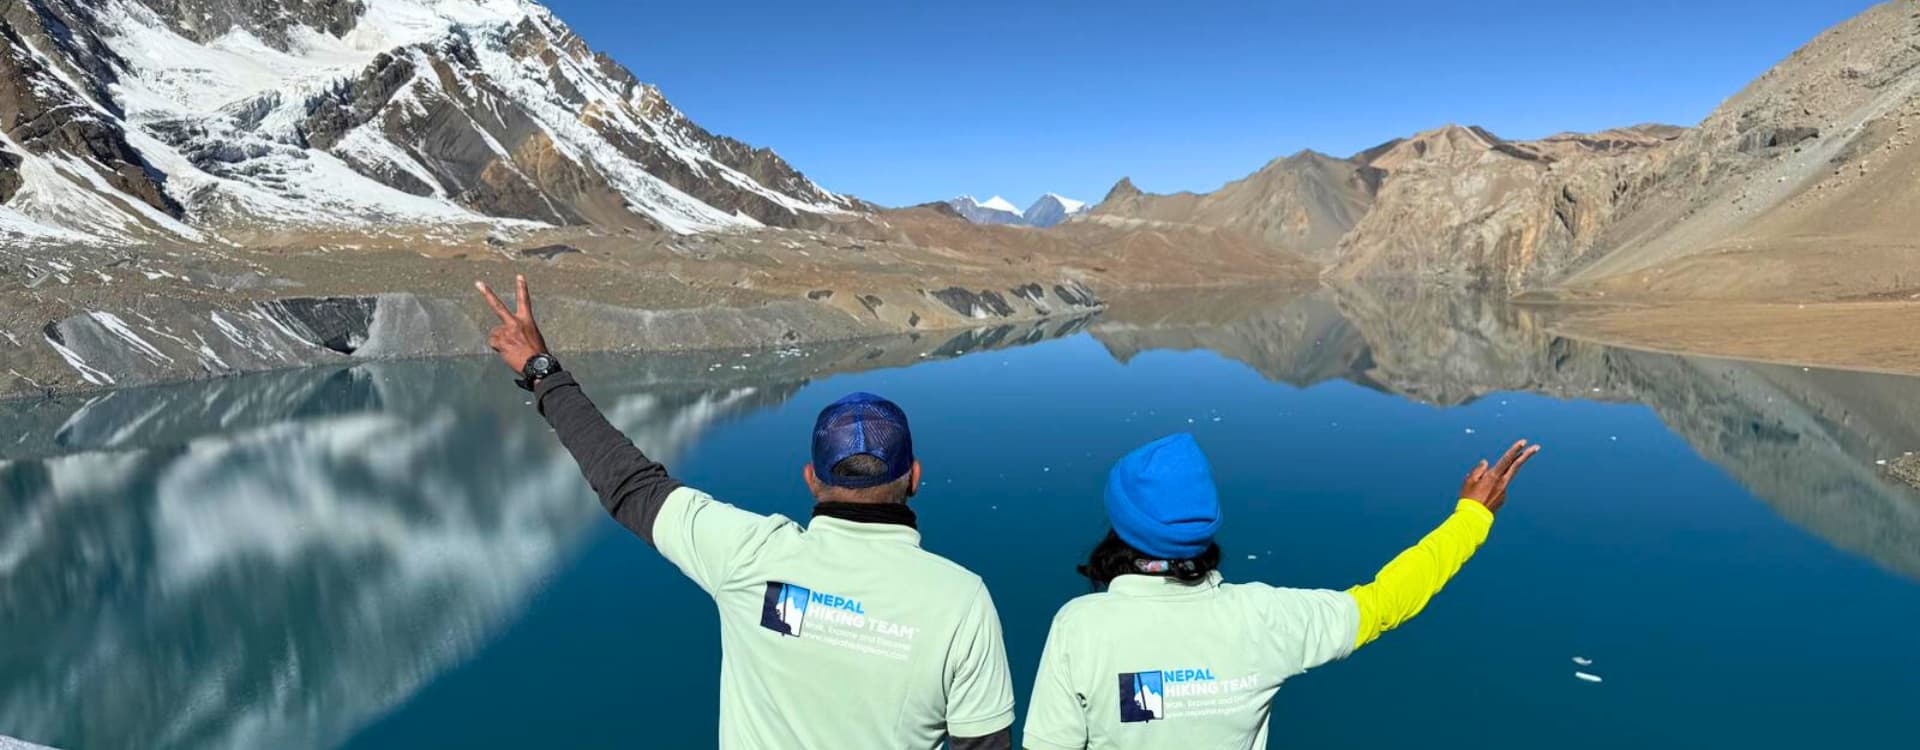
1161, 499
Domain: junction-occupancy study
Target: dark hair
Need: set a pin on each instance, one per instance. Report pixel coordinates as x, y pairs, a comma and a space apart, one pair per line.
1113, 557
860, 466
865, 466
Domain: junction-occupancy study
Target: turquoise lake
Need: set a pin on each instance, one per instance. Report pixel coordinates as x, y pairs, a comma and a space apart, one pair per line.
400, 555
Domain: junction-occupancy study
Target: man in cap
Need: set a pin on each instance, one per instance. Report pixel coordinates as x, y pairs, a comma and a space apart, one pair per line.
842, 633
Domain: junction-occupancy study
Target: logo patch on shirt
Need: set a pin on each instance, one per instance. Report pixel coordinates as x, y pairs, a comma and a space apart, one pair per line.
1142, 697
834, 620
785, 609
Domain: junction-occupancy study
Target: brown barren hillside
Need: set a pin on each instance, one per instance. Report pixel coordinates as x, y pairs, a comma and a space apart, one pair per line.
1302, 203
1463, 204
1109, 253
1802, 187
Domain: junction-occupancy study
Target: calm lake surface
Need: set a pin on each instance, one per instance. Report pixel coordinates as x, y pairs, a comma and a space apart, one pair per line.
400, 555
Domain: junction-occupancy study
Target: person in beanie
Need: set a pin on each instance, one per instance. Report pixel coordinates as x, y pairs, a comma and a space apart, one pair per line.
1171, 656
842, 633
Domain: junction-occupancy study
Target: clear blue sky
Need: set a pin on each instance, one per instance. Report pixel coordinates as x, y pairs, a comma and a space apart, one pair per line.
900, 102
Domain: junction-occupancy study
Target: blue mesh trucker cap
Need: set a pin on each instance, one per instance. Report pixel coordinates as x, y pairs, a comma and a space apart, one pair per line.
862, 423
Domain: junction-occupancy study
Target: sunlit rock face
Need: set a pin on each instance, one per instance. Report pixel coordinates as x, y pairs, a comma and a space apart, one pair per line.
205, 119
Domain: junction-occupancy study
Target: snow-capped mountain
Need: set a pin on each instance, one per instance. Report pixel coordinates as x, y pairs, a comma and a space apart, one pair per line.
995, 210
208, 119
1051, 209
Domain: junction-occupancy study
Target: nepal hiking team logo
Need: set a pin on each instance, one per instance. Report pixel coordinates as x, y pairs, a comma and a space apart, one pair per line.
785, 609
1143, 695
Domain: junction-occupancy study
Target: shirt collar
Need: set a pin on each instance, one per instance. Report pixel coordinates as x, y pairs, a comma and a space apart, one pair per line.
1162, 586
876, 532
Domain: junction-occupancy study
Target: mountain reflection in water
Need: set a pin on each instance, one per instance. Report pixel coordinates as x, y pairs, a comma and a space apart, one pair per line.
271, 561
1804, 441
278, 560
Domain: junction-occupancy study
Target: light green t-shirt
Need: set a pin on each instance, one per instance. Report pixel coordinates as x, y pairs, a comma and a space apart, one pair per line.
839, 634
1155, 663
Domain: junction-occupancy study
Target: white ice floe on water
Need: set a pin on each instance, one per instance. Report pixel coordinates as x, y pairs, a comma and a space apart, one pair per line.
1582, 661
1586, 677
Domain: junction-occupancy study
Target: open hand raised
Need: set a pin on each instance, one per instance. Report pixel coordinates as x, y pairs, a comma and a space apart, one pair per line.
1489, 486
517, 338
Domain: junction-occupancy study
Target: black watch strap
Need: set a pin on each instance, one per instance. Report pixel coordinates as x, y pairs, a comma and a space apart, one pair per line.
539, 367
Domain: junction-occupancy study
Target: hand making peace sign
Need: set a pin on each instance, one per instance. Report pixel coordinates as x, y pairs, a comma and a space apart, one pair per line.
517, 338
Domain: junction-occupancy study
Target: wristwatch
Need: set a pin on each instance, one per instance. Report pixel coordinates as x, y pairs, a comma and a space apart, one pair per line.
540, 367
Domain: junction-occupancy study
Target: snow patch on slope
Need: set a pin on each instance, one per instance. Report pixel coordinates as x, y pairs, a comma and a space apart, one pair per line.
997, 203
226, 121
1071, 205
62, 197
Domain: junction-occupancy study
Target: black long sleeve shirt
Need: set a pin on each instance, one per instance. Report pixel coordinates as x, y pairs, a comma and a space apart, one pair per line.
631, 486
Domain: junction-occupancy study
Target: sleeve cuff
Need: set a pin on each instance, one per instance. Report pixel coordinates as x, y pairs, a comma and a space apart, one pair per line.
981, 727
1468, 507
1355, 622
560, 379
672, 518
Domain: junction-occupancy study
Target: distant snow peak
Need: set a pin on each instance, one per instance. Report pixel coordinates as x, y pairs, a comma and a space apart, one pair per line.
1065, 202
995, 210
1052, 209
1049, 210
997, 203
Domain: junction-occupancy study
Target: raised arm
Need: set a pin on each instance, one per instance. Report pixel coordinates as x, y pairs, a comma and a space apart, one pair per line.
1403, 588
631, 486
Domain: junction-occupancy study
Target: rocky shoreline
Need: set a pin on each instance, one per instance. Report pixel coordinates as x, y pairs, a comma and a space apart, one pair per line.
105, 350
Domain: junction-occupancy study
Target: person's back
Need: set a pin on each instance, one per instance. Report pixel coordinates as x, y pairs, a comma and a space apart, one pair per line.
1188, 665
835, 620
1170, 656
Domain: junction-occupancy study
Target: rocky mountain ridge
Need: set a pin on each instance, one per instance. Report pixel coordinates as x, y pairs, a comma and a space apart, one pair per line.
1454, 202
1302, 203
220, 120
1798, 188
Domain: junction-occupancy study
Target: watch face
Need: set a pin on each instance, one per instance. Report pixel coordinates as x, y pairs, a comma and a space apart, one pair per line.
540, 366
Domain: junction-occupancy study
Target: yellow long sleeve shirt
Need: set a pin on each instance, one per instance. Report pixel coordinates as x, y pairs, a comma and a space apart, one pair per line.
1403, 588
